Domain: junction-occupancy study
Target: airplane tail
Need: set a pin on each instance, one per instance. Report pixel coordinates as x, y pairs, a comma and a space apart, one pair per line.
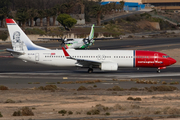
91, 35
20, 41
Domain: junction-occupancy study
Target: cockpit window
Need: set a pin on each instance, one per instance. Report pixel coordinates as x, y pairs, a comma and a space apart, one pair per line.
165, 56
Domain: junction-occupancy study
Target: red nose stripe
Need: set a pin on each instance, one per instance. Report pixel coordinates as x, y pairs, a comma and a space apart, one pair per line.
10, 21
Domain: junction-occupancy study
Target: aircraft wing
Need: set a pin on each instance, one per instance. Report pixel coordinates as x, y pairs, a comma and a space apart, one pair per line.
60, 39
81, 62
106, 38
12, 51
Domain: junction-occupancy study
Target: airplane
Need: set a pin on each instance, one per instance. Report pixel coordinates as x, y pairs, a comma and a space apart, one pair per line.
76, 43
79, 43
106, 60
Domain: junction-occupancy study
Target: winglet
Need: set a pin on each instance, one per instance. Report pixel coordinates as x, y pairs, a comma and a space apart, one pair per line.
65, 53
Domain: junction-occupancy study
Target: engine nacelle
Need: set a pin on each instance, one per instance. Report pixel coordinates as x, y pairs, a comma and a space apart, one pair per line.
109, 66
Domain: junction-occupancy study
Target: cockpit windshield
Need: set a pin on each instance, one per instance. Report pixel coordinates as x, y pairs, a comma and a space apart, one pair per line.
164, 56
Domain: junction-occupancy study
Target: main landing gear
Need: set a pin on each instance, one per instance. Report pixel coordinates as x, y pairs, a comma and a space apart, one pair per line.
90, 70
158, 70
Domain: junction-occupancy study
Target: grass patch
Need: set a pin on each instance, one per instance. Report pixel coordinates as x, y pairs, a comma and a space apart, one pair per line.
50, 83
34, 83
25, 111
93, 112
135, 99
146, 82
70, 112
9, 101
174, 83
107, 113
133, 89
115, 88
161, 88
81, 88
48, 87
2, 87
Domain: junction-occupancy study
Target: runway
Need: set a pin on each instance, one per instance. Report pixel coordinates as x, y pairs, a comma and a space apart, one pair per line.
15, 73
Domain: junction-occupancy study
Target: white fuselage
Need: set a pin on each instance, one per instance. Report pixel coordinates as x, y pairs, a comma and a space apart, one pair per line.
124, 58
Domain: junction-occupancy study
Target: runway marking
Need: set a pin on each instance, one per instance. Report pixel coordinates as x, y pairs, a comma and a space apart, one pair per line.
106, 76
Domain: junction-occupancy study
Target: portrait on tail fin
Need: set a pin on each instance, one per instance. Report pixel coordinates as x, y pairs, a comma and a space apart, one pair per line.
16, 42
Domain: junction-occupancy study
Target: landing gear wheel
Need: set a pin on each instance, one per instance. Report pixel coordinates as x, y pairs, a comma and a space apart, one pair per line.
158, 70
90, 70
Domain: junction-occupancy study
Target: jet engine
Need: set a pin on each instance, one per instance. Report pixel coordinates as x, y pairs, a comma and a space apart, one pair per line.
109, 66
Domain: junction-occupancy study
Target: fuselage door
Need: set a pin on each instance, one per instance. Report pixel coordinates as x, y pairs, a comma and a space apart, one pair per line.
103, 57
99, 57
156, 57
37, 57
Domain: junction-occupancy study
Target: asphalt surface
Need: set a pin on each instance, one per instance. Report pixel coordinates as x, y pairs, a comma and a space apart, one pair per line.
15, 73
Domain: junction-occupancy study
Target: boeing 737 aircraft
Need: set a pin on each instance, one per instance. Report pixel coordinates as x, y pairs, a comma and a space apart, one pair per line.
109, 60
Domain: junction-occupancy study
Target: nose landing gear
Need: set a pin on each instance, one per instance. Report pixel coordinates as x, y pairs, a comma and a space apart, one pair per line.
90, 70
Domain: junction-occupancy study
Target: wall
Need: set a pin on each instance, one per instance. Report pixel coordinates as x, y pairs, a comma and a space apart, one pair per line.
159, 1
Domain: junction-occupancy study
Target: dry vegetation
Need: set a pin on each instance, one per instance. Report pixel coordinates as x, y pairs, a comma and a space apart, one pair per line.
51, 101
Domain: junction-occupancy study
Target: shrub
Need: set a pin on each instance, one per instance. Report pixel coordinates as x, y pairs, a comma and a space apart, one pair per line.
26, 111
163, 82
2, 87
130, 98
118, 107
174, 83
1, 115
63, 112
107, 113
17, 113
137, 99
115, 88
162, 88
157, 112
95, 86
133, 89
9, 101
135, 106
88, 113
70, 112
81, 88
93, 112
101, 107
48, 87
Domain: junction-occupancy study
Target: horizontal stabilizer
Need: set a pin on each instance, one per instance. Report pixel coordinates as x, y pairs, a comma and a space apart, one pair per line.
12, 51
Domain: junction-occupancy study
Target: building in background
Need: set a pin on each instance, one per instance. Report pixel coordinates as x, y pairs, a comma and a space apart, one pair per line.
128, 6
158, 4
163, 4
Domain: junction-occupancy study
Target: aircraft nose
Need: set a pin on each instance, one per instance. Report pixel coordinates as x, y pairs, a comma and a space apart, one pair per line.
173, 61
